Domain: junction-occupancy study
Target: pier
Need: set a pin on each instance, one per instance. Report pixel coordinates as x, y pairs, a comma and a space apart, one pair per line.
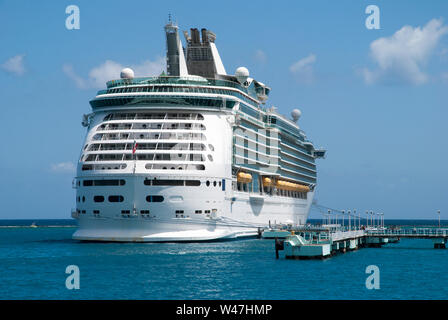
320, 242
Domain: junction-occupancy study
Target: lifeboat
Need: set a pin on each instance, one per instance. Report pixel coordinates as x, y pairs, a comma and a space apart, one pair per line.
244, 177
289, 186
267, 182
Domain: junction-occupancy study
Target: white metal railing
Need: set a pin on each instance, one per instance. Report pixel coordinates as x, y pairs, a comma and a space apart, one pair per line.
429, 232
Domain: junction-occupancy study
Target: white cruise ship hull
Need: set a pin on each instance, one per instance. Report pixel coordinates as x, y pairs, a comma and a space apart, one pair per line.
239, 216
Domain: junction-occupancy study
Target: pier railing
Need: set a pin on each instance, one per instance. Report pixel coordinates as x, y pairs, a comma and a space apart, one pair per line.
409, 232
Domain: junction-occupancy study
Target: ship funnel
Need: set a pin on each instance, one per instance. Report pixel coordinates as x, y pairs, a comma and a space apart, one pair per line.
202, 55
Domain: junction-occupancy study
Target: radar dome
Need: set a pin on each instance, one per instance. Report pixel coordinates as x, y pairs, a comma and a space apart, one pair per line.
127, 73
242, 74
295, 114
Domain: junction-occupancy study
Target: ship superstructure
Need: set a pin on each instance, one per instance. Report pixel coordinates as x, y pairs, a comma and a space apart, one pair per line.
190, 155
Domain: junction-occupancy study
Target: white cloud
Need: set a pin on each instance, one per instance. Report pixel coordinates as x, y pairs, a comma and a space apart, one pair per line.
15, 65
80, 82
303, 68
260, 56
402, 56
63, 167
109, 70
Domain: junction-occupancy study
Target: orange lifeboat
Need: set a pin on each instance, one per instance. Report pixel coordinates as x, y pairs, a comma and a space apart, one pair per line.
267, 182
244, 177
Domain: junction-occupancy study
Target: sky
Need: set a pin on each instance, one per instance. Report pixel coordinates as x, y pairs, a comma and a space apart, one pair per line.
375, 99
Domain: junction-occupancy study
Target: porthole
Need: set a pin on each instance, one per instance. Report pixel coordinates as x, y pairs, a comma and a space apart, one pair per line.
211, 147
83, 199
214, 183
207, 183
98, 198
210, 157
154, 198
116, 198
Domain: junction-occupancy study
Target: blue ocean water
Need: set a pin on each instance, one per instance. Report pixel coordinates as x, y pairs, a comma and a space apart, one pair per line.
33, 263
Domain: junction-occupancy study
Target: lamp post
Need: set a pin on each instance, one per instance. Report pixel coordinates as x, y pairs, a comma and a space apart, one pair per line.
371, 218
367, 218
349, 221
343, 218
438, 212
329, 216
354, 219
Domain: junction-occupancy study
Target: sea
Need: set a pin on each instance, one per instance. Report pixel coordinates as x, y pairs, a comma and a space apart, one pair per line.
36, 258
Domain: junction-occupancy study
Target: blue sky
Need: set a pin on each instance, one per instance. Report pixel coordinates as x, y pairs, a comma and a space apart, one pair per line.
375, 99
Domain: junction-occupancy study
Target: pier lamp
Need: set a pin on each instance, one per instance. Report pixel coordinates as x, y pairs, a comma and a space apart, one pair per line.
371, 217
354, 218
349, 221
438, 212
329, 216
343, 218
367, 218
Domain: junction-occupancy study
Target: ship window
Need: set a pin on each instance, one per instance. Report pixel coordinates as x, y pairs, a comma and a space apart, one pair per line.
211, 147
207, 183
144, 211
157, 182
116, 198
192, 183
98, 198
210, 157
83, 199
114, 182
214, 183
96, 211
154, 198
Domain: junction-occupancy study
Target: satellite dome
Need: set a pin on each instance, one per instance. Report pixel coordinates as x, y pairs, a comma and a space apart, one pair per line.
295, 114
242, 74
127, 73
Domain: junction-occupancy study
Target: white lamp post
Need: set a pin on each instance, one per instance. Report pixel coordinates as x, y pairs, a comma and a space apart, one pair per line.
367, 218
349, 221
438, 212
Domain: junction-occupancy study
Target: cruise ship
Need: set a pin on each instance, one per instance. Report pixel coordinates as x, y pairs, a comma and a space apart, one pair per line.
193, 154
